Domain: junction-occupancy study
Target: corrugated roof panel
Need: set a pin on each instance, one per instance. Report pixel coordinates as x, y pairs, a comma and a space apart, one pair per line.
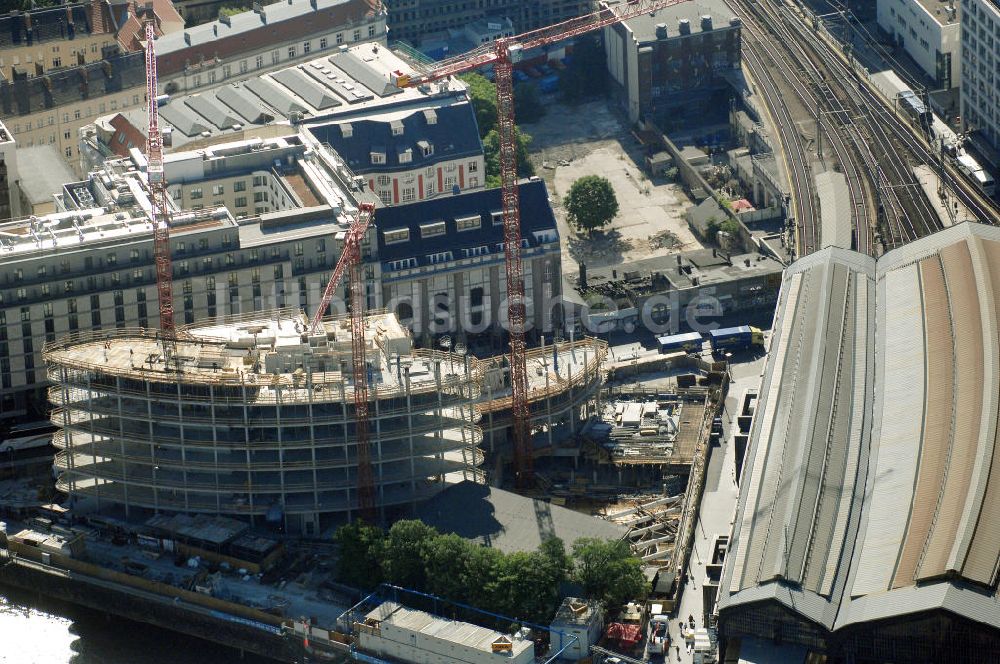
900, 426
312, 92
984, 552
182, 119
766, 412
274, 97
210, 109
858, 409
810, 474
932, 448
795, 415
966, 322
244, 104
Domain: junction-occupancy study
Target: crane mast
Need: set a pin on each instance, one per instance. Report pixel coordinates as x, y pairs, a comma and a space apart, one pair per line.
158, 193
503, 54
350, 262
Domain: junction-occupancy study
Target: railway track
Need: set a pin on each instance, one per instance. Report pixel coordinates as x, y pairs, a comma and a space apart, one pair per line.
792, 63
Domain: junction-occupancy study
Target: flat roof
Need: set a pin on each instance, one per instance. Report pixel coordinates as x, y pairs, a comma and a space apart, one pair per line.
454, 631
644, 26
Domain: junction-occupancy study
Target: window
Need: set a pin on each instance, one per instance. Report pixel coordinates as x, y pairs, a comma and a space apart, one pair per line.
320, 245
195, 193
218, 190
230, 260
22, 294
322, 43
275, 57
340, 37
57, 62
227, 70
298, 249
41, 271
306, 47
203, 244
259, 196
68, 152
291, 52
392, 237
371, 30
356, 36
378, 157
241, 201
405, 156
497, 218
475, 251
432, 230
427, 149
409, 194
473, 166
240, 185
181, 248
441, 257
259, 180
134, 255
468, 223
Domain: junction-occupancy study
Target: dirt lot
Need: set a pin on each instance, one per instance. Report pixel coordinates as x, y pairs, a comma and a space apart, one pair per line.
570, 142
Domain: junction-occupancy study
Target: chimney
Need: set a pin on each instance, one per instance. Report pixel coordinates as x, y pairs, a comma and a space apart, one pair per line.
678, 259
661, 30
215, 29
706, 23
614, 274
684, 26
224, 20
583, 275
187, 37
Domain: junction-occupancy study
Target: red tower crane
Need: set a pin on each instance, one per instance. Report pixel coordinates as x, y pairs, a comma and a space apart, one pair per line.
158, 193
503, 54
350, 261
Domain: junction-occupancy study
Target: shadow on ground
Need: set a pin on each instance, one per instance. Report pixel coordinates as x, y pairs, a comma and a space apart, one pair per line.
600, 249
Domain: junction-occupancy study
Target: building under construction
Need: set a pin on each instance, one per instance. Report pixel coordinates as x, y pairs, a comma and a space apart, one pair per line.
253, 417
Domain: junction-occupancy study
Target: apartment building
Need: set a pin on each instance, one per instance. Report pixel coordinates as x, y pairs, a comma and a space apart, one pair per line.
268, 37
412, 20
53, 108
89, 266
412, 154
443, 262
408, 144
9, 177
52, 38
669, 66
929, 32
981, 73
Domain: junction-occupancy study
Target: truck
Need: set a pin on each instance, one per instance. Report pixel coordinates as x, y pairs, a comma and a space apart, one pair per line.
735, 338
690, 342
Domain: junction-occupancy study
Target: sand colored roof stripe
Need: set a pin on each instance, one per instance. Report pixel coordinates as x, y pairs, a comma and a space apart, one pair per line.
968, 399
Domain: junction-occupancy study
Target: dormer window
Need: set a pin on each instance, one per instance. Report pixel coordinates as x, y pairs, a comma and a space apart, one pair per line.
431, 116
405, 156
397, 127
378, 155
346, 130
426, 148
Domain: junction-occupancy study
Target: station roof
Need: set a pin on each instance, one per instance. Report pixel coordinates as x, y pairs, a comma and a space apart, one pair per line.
872, 480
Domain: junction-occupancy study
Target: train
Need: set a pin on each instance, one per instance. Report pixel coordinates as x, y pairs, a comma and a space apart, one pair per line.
721, 340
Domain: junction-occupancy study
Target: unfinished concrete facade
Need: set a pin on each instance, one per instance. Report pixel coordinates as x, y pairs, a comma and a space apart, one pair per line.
251, 417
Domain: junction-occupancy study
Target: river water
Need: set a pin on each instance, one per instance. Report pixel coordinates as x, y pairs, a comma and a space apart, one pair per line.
40, 631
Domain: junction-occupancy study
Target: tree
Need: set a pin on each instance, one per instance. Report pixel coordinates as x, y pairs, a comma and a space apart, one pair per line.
483, 95
591, 203
491, 149
528, 107
227, 10
446, 560
361, 550
405, 545
608, 571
